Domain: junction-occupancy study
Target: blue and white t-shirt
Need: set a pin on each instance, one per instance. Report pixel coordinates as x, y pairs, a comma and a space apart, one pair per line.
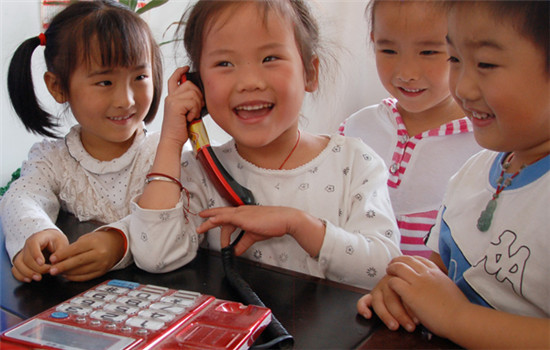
505, 268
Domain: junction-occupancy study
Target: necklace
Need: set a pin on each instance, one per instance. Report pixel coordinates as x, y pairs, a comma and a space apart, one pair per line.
291, 151
486, 217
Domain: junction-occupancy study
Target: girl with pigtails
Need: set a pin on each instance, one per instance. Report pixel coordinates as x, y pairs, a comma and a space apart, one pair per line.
104, 66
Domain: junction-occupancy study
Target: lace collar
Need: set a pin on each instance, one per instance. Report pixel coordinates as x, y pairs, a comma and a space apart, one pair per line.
79, 153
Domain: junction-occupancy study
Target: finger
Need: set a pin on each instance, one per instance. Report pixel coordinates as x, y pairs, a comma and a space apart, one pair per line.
246, 242
23, 275
363, 306
206, 226
418, 264
186, 103
26, 259
400, 269
53, 243
82, 267
68, 251
194, 101
175, 78
411, 314
236, 216
207, 213
216, 217
380, 307
82, 262
399, 311
33, 253
198, 104
225, 235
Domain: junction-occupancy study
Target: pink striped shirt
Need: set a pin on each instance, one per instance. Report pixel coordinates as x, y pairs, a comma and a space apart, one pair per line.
413, 224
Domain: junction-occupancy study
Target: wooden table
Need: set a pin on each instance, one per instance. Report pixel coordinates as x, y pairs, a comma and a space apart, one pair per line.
320, 314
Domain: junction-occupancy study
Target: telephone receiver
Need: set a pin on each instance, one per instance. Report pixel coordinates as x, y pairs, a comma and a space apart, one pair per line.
237, 195
224, 183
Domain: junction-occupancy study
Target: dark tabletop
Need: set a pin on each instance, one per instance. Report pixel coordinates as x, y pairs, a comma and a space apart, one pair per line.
319, 314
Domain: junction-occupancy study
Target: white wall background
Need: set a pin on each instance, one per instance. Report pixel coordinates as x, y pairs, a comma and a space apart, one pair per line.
351, 84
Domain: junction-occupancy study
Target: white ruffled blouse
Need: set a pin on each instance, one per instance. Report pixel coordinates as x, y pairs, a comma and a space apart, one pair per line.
61, 174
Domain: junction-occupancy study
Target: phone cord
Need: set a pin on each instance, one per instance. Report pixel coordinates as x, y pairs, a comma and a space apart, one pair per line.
281, 339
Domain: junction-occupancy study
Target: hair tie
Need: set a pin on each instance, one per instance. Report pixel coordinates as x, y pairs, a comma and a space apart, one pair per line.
42, 38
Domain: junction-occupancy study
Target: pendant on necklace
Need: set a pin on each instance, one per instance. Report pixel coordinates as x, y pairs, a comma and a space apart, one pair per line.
484, 221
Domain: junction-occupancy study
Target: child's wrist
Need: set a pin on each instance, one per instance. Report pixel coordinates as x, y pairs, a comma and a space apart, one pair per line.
171, 144
118, 233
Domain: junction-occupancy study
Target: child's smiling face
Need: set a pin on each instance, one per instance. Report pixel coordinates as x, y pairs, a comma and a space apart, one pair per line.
498, 77
110, 103
253, 75
410, 52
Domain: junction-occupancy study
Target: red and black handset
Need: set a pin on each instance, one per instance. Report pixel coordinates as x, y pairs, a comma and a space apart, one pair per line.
226, 186
237, 195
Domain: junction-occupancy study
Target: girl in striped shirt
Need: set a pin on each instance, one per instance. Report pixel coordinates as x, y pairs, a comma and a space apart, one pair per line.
420, 132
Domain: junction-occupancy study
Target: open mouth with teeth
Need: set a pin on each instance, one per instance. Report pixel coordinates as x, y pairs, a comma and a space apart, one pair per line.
408, 91
251, 111
116, 119
482, 116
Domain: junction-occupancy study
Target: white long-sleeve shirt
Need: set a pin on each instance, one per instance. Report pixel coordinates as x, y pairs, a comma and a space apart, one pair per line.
345, 185
61, 174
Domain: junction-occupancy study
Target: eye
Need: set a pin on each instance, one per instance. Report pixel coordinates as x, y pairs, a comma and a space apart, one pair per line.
270, 59
453, 59
484, 65
388, 51
428, 52
105, 83
142, 77
224, 64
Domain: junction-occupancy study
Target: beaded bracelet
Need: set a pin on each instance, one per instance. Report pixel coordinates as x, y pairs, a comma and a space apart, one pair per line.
162, 177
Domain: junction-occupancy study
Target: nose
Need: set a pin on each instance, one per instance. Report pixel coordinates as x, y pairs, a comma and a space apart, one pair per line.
462, 84
123, 96
407, 69
250, 78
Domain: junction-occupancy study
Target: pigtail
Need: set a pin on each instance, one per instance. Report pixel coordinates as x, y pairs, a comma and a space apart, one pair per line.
22, 94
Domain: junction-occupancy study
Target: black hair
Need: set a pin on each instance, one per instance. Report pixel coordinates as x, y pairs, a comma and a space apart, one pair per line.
123, 39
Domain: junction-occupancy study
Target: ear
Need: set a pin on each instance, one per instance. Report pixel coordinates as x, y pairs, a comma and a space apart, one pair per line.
52, 83
372, 36
312, 75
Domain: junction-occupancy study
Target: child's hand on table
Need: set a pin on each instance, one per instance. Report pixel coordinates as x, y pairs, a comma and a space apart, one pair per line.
31, 263
92, 255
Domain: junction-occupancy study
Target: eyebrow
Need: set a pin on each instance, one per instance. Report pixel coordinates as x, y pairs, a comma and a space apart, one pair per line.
420, 43
478, 44
110, 69
100, 72
268, 46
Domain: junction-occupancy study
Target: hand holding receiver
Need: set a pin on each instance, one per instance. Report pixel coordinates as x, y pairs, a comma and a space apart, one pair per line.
182, 105
226, 186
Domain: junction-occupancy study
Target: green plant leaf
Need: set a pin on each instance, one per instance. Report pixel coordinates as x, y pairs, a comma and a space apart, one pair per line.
62, 3
151, 5
126, 3
132, 4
